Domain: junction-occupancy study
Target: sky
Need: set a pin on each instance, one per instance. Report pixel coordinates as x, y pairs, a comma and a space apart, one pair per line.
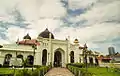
94, 22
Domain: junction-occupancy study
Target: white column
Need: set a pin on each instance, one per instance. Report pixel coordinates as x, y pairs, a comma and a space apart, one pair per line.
52, 60
37, 60
76, 55
48, 59
50, 49
93, 59
82, 60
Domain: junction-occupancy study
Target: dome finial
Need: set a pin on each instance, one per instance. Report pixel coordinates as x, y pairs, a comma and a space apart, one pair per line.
46, 27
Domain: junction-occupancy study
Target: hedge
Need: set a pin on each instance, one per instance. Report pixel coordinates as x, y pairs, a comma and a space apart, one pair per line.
78, 71
36, 72
93, 71
81, 65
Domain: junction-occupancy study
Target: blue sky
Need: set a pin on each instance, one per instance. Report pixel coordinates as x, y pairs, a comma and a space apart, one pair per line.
95, 22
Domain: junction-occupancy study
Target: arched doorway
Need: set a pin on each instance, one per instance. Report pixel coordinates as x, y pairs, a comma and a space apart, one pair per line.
7, 60
44, 57
91, 60
72, 57
57, 59
30, 60
96, 61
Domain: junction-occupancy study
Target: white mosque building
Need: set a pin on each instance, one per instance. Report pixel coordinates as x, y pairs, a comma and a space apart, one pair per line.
44, 50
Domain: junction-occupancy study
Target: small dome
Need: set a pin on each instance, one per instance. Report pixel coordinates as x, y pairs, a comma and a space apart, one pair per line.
76, 41
45, 34
1, 46
27, 37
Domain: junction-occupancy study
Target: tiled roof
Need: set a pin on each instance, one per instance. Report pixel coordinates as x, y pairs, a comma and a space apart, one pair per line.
28, 42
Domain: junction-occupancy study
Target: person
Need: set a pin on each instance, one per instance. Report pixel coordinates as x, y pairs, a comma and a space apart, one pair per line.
107, 68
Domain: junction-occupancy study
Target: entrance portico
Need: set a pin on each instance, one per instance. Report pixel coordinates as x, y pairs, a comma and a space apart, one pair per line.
59, 58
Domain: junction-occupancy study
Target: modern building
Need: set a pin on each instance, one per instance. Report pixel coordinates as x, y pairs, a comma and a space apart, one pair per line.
111, 51
44, 50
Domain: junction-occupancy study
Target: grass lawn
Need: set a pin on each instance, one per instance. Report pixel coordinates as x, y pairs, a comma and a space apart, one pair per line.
6, 71
103, 72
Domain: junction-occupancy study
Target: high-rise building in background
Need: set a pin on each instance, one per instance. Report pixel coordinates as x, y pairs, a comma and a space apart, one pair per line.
111, 51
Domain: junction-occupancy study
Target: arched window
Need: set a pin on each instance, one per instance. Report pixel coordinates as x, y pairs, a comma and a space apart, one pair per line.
7, 59
72, 56
30, 60
20, 56
44, 57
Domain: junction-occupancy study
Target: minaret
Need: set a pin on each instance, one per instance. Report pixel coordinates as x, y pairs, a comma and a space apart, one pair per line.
68, 49
50, 49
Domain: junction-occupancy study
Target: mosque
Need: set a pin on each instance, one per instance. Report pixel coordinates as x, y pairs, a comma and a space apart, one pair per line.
44, 50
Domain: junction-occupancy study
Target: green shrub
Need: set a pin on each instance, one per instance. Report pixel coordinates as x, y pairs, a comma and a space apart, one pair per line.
75, 70
39, 71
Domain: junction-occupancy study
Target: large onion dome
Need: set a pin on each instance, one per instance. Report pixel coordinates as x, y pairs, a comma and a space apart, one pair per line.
45, 34
27, 37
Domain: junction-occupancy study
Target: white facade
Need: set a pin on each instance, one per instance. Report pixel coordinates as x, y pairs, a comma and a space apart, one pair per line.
58, 52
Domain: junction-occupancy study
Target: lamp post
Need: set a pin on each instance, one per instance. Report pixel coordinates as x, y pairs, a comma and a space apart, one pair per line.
85, 55
34, 48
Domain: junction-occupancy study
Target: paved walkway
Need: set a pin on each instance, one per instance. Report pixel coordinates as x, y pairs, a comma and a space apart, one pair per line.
59, 72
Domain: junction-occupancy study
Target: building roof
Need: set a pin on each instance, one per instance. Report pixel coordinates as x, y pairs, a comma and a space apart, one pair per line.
104, 57
29, 42
45, 34
80, 47
1, 46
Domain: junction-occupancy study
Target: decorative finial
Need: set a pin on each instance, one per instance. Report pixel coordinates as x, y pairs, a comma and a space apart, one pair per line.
46, 26
85, 46
17, 42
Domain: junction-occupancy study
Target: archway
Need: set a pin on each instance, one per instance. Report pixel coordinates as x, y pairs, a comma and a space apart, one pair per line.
72, 57
44, 57
30, 60
91, 60
7, 60
21, 57
96, 61
57, 59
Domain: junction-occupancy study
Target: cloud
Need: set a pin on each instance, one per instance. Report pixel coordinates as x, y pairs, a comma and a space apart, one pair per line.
95, 22
76, 4
98, 26
32, 11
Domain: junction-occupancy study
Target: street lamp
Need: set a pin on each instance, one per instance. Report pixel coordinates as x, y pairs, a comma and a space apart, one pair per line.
85, 55
34, 48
